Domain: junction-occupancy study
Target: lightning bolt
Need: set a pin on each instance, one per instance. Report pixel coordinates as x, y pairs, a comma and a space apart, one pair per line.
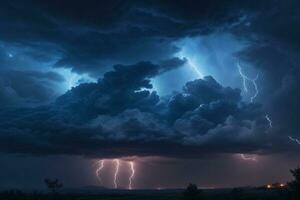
294, 139
99, 169
269, 120
195, 69
253, 81
190, 62
245, 78
248, 157
117, 163
132, 174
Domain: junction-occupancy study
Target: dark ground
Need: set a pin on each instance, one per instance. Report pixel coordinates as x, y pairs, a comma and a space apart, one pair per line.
211, 194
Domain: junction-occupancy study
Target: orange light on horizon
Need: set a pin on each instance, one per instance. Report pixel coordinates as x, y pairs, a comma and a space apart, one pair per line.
276, 185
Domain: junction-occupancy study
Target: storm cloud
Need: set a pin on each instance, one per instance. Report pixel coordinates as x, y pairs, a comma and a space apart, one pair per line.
93, 36
130, 45
119, 116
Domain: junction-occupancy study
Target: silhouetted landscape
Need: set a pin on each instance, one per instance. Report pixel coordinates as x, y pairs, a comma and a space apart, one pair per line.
211, 194
277, 191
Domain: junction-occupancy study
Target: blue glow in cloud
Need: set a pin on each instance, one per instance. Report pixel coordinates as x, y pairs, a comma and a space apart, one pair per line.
10, 55
212, 55
73, 79
188, 48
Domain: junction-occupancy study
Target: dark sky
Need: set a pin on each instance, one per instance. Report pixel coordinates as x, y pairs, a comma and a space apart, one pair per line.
189, 91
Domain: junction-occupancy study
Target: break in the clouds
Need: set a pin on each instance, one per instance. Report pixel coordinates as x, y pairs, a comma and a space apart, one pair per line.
124, 78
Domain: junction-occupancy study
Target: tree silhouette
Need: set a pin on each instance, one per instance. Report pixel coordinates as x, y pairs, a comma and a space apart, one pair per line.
192, 192
294, 185
53, 185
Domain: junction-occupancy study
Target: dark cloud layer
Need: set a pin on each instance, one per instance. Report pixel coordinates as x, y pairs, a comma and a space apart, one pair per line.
119, 116
25, 88
100, 33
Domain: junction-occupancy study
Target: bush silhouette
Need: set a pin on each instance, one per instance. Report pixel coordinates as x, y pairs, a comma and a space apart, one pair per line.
53, 185
294, 185
192, 192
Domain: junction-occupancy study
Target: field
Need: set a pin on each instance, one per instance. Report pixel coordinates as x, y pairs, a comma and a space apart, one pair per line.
212, 194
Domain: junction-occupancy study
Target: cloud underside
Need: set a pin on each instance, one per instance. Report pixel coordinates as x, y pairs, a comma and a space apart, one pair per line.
121, 116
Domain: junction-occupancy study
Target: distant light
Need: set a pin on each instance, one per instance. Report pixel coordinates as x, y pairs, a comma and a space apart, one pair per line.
248, 157
282, 185
269, 186
10, 55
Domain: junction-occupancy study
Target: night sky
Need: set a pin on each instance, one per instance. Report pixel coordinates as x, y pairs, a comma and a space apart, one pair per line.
203, 92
